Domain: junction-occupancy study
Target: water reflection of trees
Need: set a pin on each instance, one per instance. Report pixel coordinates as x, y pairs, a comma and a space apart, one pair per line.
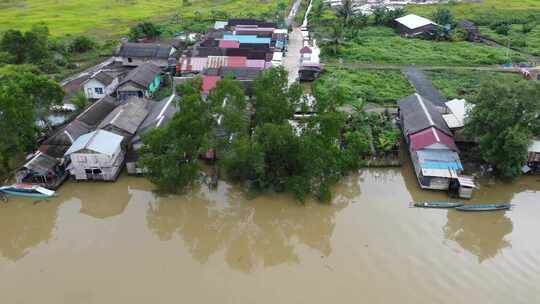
265, 231
482, 234
24, 225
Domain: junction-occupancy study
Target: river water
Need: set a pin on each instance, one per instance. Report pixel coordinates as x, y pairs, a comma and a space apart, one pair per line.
120, 243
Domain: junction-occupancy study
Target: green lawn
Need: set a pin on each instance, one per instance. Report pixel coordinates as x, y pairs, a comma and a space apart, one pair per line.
110, 18
383, 87
383, 45
484, 11
466, 83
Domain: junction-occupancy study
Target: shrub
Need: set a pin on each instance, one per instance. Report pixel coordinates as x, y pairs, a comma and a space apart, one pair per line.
81, 44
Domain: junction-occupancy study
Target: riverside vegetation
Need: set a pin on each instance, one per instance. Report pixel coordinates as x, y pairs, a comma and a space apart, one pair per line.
261, 147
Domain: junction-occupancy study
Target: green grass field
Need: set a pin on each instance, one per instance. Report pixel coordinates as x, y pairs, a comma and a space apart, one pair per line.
483, 11
383, 45
110, 18
466, 83
382, 87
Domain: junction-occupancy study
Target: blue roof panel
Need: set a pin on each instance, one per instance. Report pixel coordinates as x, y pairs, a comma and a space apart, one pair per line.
247, 39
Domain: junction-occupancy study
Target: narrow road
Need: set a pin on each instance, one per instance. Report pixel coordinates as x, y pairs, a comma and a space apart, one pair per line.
291, 62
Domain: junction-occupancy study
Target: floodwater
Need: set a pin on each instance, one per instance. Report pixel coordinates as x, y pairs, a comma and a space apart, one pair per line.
120, 243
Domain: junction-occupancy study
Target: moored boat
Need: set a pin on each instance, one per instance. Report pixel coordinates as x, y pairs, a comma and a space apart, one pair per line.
27, 190
438, 204
484, 207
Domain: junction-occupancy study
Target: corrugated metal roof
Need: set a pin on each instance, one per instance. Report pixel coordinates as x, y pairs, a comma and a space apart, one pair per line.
229, 44
412, 21
145, 50
197, 64
218, 25
255, 63
458, 112
127, 117
236, 62
439, 159
418, 114
247, 39
429, 137
142, 75
100, 141
215, 62
209, 82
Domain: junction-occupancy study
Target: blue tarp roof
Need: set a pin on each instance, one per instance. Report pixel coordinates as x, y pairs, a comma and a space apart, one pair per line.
247, 39
439, 159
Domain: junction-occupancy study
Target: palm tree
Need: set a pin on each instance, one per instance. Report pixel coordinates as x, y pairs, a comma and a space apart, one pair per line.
336, 37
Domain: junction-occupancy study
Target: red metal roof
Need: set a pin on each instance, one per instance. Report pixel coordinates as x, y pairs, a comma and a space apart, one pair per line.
429, 137
209, 82
229, 44
237, 62
306, 50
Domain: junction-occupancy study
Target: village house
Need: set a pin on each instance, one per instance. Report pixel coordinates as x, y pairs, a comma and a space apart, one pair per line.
140, 82
97, 155
159, 114
126, 118
137, 54
43, 170
99, 85
415, 26
433, 151
87, 121
533, 157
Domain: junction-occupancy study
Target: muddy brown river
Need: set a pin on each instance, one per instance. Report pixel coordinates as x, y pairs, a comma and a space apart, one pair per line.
120, 243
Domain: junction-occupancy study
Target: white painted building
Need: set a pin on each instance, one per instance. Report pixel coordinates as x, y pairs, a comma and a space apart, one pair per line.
100, 85
96, 155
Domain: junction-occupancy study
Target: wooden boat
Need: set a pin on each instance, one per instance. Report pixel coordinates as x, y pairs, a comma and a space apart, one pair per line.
484, 207
27, 190
437, 204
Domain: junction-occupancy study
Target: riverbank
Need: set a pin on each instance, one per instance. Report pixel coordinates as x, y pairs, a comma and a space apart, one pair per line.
120, 242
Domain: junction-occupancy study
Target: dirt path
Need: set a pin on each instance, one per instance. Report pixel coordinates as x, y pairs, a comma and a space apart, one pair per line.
424, 86
391, 66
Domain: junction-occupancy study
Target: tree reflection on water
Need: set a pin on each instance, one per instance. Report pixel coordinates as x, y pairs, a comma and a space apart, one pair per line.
24, 225
265, 231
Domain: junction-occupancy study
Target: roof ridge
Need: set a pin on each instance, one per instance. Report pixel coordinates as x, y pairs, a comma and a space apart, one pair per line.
424, 108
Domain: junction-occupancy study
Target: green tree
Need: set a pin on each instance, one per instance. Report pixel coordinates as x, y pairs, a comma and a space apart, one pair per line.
170, 154
144, 30
503, 119
274, 101
79, 100
14, 44
40, 90
82, 44
228, 102
444, 17
30, 47
16, 123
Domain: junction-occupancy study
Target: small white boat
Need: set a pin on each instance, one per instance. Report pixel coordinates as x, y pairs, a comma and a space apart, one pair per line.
27, 190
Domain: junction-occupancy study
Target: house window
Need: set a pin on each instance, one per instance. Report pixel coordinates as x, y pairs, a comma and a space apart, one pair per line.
99, 91
130, 60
